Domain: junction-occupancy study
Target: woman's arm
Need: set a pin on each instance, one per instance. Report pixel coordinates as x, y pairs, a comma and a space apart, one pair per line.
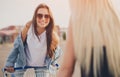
67, 66
25, 30
11, 59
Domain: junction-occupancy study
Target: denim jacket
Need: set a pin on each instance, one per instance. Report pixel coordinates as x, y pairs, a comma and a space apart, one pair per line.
17, 57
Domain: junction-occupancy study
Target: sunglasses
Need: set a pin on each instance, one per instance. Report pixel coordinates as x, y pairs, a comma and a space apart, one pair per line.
40, 16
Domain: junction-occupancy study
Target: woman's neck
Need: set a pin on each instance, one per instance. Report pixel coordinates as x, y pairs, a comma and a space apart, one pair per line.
40, 30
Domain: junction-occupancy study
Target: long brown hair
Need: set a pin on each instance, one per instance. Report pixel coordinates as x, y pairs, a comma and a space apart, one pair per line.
49, 30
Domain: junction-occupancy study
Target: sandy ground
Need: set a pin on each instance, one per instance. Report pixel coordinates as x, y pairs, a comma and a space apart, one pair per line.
5, 50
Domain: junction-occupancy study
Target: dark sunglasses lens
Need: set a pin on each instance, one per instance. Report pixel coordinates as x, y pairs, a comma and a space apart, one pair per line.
47, 16
39, 16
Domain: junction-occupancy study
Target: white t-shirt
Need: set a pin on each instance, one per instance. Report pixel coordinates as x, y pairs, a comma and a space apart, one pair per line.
36, 50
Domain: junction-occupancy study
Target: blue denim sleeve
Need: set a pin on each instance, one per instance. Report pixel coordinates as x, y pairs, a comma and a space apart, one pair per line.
57, 54
11, 59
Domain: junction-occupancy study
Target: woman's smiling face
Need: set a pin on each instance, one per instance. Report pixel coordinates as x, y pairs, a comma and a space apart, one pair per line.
43, 17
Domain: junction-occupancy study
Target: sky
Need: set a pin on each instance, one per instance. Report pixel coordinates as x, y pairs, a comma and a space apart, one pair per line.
19, 12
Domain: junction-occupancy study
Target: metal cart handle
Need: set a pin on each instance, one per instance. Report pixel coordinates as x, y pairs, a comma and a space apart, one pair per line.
26, 67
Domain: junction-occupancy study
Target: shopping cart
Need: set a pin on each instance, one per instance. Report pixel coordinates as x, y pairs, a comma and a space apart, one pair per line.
29, 71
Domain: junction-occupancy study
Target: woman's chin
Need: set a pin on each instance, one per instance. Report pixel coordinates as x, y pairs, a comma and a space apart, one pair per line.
41, 26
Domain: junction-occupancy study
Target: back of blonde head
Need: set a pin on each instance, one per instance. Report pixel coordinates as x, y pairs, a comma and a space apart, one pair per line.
94, 25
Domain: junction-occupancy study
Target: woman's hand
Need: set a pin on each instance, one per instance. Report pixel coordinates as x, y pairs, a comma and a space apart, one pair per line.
25, 30
9, 69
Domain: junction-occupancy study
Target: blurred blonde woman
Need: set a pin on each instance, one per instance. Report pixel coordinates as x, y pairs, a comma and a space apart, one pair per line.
93, 40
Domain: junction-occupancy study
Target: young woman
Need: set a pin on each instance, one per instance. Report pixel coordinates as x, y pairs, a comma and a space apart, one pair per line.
93, 40
37, 45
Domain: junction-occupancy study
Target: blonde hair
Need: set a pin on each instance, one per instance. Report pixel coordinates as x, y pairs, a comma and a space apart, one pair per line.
95, 24
55, 41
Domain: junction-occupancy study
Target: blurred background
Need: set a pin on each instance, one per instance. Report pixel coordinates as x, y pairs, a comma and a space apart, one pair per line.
14, 14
